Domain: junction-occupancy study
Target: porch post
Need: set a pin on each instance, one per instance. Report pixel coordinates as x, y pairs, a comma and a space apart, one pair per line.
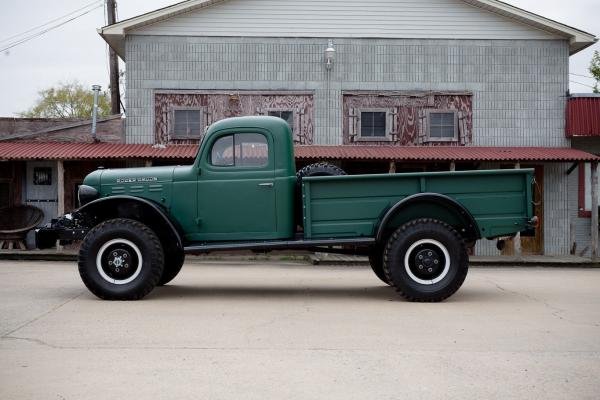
60, 189
517, 240
594, 232
148, 163
392, 167
452, 166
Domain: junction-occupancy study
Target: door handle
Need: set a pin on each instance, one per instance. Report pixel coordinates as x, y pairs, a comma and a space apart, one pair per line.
266, 184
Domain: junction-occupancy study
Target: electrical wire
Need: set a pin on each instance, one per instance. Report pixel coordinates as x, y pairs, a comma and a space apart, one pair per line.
50, 22
583, 76
40, 33
582, 84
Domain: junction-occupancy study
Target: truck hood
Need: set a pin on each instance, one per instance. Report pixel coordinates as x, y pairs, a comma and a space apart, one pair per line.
124, 176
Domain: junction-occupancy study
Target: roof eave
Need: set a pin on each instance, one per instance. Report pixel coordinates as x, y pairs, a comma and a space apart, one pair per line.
579, 40
115, 41
578, 44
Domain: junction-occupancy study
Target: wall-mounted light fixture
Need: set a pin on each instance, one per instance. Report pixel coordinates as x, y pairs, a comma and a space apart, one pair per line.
329, 55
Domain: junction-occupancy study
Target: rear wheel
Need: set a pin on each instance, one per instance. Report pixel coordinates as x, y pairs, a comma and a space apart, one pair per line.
376, 261
426, 260
121, 259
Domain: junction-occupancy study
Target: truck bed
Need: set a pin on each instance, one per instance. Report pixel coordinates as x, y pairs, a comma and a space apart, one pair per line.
351, 206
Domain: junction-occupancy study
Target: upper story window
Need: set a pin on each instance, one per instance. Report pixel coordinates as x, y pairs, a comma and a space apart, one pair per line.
240, 150
374, 125
187, 123
442, 126
286, 115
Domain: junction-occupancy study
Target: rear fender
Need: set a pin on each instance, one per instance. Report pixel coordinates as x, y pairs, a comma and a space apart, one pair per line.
429, 205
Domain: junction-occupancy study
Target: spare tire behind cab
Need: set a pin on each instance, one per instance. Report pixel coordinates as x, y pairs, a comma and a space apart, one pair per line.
318, 169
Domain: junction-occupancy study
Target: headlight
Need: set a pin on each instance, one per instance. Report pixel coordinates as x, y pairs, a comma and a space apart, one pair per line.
86, 194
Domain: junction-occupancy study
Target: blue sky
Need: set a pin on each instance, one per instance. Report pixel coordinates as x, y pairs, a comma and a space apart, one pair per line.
76, 52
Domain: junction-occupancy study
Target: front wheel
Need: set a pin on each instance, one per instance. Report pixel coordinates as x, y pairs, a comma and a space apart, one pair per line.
121, 259
426, 260
174, 259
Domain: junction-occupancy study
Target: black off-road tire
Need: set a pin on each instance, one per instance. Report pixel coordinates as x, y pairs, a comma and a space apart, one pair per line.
376, 261
174, 259
318, 169
148, 272
411, 276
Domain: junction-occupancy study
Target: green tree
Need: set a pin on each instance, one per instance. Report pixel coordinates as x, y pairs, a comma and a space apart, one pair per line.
595, 70
68, 100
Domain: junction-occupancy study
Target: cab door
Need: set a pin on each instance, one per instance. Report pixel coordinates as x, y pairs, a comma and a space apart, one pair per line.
236, 188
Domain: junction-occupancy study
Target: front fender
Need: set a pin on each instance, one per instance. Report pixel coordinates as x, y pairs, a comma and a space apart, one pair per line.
113, 206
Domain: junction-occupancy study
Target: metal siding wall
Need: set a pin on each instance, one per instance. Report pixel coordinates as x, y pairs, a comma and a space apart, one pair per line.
345, 18
556, 209
581, 225
518, 86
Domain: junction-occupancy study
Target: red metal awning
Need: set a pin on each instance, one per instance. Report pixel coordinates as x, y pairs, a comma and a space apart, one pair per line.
88, 151
443, 153
583, 116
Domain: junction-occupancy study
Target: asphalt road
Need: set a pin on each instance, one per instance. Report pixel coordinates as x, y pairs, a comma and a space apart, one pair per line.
291, 331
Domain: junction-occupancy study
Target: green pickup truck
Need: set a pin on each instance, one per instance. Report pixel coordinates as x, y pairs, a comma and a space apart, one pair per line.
243, 193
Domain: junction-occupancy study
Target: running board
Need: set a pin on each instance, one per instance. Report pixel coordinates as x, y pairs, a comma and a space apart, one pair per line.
279, 245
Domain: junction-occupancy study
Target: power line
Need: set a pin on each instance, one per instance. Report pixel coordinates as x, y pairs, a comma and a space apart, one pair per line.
583, 76
38, 34
582, 84
50, 22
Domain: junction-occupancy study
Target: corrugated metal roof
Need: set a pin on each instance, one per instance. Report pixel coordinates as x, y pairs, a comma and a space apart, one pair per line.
443, 153
583, 116
84, 151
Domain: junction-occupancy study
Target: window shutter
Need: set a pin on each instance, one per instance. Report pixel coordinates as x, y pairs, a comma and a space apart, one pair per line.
170, 123
353, 121
392, 127
462, 128
298, 134
422, 129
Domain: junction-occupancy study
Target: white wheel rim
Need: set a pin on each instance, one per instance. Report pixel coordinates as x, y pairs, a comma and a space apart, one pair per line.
101, 269
427, 281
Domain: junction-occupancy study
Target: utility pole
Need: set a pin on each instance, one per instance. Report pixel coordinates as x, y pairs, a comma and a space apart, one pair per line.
113, 62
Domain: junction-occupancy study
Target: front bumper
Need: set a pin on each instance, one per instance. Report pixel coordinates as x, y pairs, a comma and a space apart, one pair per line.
46, 237
65, 229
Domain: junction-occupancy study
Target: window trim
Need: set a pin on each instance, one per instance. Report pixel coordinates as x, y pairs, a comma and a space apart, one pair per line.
295, 121
441, 139
200, 109
233, 135
388, 127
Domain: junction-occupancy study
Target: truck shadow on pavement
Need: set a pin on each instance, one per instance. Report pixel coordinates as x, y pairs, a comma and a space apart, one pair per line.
380, 293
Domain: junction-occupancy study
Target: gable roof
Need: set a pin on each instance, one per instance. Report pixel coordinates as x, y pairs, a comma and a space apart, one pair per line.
578, 39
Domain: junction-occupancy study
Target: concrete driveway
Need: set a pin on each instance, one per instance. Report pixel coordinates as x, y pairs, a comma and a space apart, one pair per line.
292, 331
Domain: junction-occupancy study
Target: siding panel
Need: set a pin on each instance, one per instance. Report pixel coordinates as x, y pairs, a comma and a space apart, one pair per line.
346, 18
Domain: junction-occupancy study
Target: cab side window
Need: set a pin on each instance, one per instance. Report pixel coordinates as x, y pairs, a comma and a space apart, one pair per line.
222, 152
240, 150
